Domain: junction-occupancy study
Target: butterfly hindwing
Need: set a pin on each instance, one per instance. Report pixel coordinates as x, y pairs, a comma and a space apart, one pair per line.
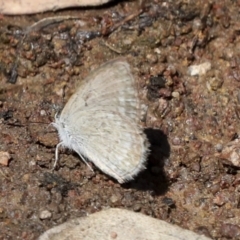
113, 143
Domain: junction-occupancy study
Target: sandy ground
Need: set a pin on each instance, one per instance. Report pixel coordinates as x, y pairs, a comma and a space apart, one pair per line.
184, 55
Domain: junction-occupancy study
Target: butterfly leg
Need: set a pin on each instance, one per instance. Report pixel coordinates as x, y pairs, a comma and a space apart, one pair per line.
56, 155
85, 161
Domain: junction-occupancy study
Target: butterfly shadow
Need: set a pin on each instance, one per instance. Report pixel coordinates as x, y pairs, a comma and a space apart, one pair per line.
153, 178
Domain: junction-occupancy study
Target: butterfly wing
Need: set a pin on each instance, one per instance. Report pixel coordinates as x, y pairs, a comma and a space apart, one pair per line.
101, 122
111, 87
111, 141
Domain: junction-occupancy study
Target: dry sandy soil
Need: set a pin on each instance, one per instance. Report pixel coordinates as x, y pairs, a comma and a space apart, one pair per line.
185, 56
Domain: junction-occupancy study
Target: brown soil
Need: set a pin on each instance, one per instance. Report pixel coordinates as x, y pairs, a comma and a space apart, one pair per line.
192, 177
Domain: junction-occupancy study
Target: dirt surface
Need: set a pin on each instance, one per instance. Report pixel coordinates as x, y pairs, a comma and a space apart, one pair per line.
185, 56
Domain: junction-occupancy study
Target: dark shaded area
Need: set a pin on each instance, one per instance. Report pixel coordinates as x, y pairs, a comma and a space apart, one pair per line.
5, 115
158, 139
158, 87
154, 178
51, 180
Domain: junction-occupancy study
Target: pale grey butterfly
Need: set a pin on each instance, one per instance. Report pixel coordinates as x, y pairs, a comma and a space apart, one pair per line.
101, 122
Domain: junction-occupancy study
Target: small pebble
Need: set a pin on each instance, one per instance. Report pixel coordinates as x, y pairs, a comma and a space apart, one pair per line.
45, 214
152, 58
230, 231
43, 113
137, 207
219, 147
113, 235
200, 69
4, 158
115, 198
175, 94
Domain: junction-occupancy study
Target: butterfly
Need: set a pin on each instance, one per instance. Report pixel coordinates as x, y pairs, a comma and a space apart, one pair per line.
101, 122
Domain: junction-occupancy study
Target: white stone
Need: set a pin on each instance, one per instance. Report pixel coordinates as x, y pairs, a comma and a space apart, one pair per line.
199, 69
120, 224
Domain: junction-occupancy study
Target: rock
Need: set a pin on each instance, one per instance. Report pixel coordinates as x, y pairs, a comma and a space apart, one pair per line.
45, 214
29, 7
231, 153
118, 224
199, 69
4, 158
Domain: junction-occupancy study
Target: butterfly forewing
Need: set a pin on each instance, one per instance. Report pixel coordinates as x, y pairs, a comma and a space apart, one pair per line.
110, 87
